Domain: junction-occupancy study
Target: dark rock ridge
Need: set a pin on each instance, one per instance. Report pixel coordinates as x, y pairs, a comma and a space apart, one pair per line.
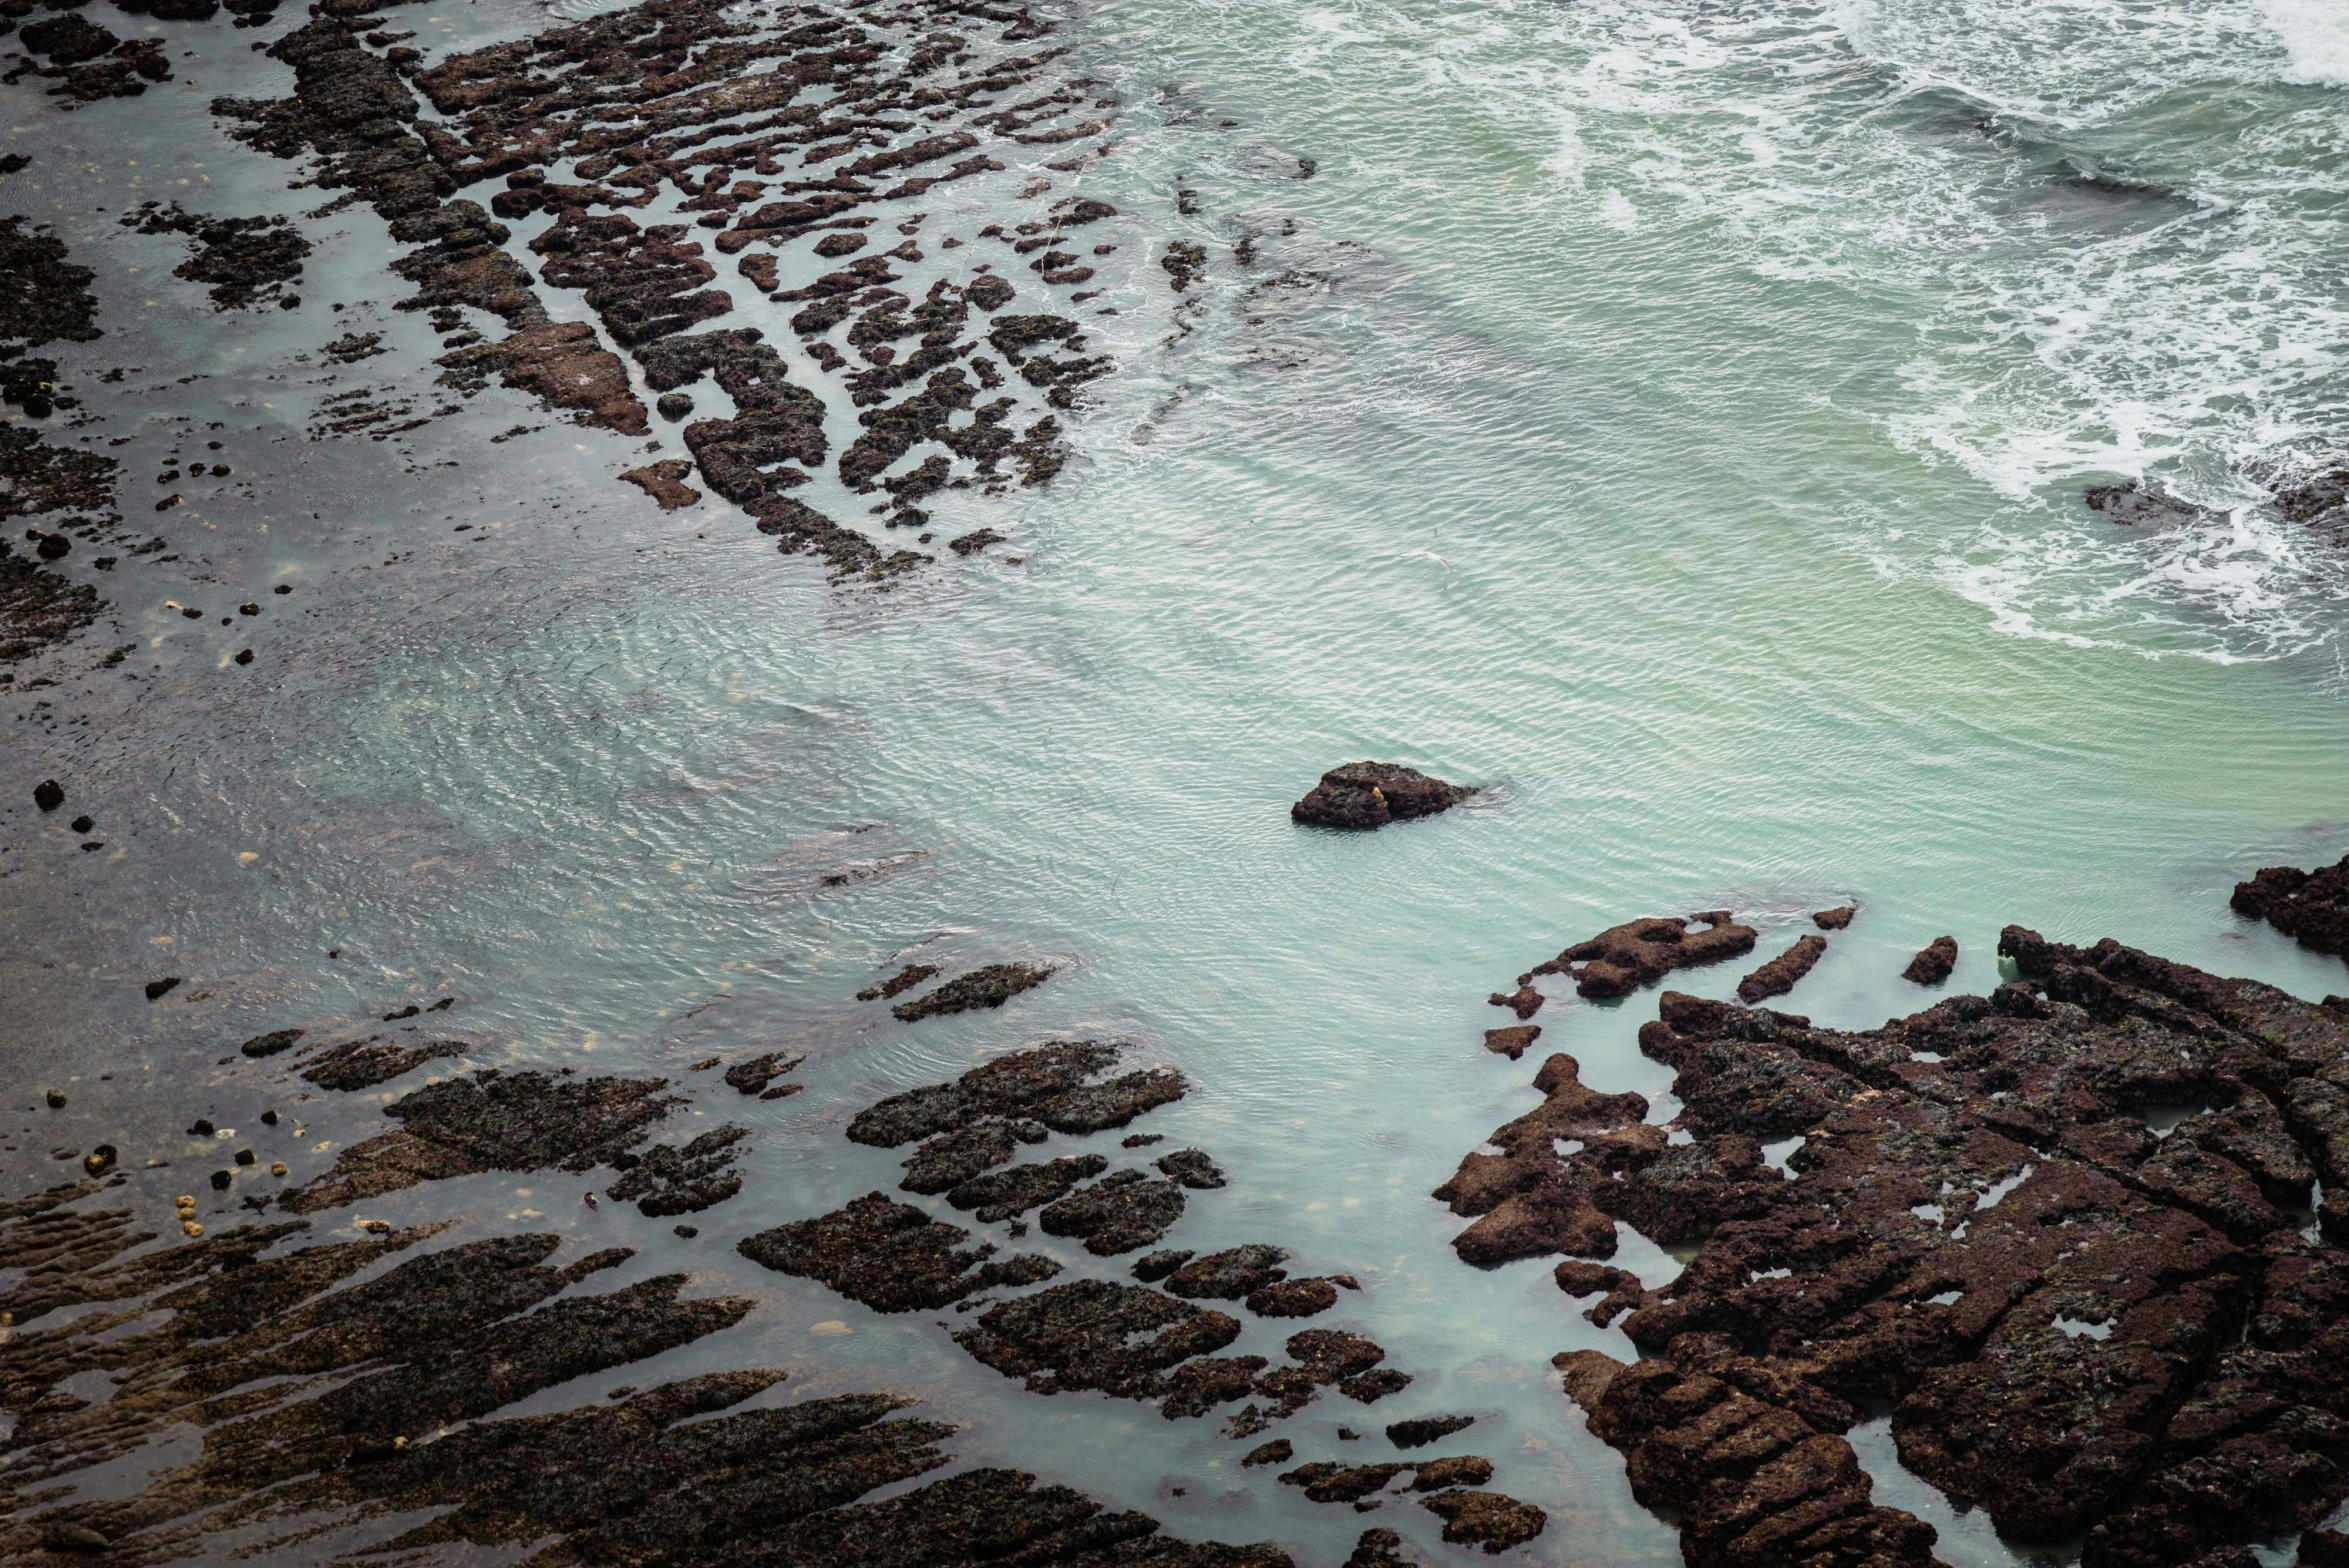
346, 1390
889, 1256
991, 986
1621, 959
2311, 907
528, 1121
2082, 1326
1365, 795
1779, 975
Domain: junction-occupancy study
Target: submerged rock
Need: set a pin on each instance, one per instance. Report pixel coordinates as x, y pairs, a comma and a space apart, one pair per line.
1621, 959
1364, 795
2311, 907
362, 1064
1420, 1432
2138, 503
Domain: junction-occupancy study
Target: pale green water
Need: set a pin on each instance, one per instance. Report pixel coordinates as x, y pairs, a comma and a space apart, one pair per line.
1675, 420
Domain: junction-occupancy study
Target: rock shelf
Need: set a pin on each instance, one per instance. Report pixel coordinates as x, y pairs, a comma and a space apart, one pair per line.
2088, 1327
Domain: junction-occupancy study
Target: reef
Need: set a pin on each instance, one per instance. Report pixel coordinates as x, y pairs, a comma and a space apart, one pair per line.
345, 1397
2086, 1325
2311, 907
1366, 795
518, 1122
245, 261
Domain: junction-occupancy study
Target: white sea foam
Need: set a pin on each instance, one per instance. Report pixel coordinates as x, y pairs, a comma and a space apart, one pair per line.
2315, 35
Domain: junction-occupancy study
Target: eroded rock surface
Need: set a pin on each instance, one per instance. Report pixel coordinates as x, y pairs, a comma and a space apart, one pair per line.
1365, 795
2081, 1325
1529, 1199
889, 1256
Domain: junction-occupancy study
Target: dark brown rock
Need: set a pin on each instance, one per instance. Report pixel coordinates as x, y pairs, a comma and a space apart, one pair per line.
890, 1257
2311, 907
1834, 919
1621, 959
1293, 1298
992, 986
1779, 975
1933, 963
1486, 1519
1363, 795
1116, 1214
1096, 1334
1528, 1200
1525, 1001
1513, 1041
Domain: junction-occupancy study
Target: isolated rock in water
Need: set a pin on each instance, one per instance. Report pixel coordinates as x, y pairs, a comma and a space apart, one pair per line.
2138, 504
270, 1044
1193, 1168
1934, 962
49, 794
1424, 1430
891, 1257
1486, 1519
1621, 959
897, 984
1778, 976
1511, 1042
1364, 795
1834, 919
989, 987
753, 1076
2311, 907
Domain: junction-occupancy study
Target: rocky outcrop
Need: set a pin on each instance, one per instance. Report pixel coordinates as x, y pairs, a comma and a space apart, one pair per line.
1779, 975
1365, 795
2081, 1325
2311, 907
1934, 962
1529, 1199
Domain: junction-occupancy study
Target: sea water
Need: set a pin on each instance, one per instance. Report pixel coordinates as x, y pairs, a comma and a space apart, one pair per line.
1669, 417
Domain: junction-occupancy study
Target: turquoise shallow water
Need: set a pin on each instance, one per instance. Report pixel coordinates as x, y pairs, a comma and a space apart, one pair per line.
1672, 418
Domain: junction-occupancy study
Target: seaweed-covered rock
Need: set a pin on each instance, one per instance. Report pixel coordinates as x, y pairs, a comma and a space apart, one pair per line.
1293, 1298
1116, 1214
753, 1076
890, 1257
1055, 1085
362, 1064
493, 1121
1230, 1274
1365, 795
2311, 907
1778, 976
1096, 1334
991, 986
1513, 1041
1194, 1168
1934, 963
1486, 1519
1621, 959
1003, 1194
681, 1178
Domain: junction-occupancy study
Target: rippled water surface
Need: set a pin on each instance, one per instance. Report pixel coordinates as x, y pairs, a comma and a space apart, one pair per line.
1671, 416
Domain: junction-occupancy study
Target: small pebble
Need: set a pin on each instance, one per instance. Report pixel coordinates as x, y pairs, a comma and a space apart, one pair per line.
248, 608
221, 1179
244, 1156
282, 588
374, 1227
269, 1118
244, 656
185, 1200
56, 1101
688, 1232
200, 1128
83, 824
277, 1167
48, 794
191, 1227
193, 615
